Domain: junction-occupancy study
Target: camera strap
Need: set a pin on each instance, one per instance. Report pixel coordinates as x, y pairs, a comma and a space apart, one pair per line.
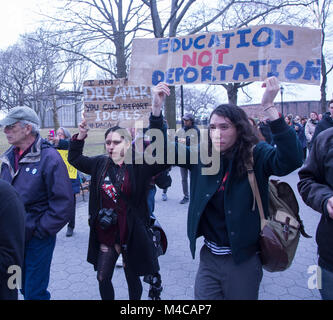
117, 178
121, 194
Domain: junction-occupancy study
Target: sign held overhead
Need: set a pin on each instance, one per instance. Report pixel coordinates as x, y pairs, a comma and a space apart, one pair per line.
292, 54
113, 102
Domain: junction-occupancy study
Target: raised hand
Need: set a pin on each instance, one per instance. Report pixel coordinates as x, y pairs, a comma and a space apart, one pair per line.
83, 130
159, 92
272, 88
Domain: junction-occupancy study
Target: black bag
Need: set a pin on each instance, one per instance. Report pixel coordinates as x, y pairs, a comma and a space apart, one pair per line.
159, 237
163, 179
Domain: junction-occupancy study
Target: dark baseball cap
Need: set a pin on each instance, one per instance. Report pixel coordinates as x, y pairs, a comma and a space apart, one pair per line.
20, 113
188, 116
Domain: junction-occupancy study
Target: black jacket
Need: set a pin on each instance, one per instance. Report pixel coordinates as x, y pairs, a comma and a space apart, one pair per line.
316, 187
12, 217
141, 255
44, 187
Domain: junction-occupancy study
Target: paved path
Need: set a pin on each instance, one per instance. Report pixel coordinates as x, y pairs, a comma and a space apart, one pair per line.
73, 278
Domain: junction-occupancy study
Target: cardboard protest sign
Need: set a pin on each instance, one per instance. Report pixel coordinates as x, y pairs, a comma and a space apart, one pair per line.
292, 54
113, 102
72, 171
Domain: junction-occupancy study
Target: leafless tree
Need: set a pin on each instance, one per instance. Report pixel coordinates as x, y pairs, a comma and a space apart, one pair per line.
19, 64
197, 101
55, 66
100, 31
32, 73
322, 11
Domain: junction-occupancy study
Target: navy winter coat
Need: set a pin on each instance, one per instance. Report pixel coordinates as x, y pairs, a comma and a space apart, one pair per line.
44, 186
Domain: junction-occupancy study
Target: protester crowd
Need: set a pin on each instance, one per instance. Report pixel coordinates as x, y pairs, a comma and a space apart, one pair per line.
40, 196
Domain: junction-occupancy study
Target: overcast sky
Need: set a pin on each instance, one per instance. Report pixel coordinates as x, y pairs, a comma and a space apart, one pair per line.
19, 16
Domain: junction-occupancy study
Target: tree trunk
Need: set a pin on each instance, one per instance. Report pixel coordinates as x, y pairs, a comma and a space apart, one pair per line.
55, 113
232, 90
121, 58
75, 115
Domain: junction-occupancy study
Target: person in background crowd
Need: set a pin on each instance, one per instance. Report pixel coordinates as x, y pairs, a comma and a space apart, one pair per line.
188, 132
265, 130
303, 122
12, 215
316, 188
300, 131
38, 173
289, 120
221, 204
326, 122
310, 127
61, 142
257, 131
320, 116
118, 210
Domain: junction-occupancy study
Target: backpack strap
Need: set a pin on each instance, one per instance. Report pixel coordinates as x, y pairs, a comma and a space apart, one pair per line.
249, 167
255, 190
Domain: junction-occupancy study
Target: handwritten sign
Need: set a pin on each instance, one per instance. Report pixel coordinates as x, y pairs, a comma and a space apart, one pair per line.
113, 102
72, 171
292, 54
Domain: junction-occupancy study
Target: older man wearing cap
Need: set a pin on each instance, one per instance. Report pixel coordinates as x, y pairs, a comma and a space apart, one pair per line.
188, 134
38, 173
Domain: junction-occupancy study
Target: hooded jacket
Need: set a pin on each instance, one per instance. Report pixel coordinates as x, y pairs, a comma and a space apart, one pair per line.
44, 187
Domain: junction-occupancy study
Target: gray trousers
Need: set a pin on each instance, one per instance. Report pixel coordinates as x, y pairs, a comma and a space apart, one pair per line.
219, 278
184, 174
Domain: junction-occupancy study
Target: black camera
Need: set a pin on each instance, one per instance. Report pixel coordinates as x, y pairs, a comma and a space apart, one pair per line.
107, 218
